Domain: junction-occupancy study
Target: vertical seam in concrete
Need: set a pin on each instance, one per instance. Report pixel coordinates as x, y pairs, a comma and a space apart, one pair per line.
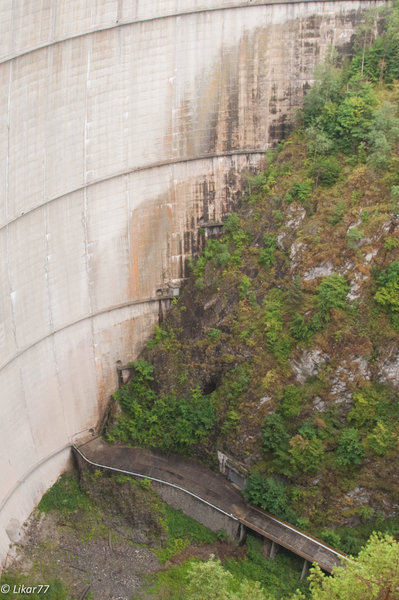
8, 137
53, 20
14, 329
129, 233
85, 212
10, 290
52, 336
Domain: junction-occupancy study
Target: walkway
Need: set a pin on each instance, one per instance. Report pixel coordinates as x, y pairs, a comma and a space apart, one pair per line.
213, 489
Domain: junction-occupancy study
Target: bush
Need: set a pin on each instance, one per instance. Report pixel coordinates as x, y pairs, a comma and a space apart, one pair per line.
266, 255
64, 496
365, 411
299, 329
381, 439
331, 294
274, 435
278, 342
244, 286
301, 190
353, 236
331, 537
290, 404
326, 171
267, 493
349, 449
306, 455
165, 422
338, 213
387, 294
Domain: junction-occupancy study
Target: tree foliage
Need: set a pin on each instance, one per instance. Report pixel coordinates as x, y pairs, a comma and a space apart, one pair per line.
373, 575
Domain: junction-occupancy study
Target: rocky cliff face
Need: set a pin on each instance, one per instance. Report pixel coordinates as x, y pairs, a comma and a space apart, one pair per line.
284, 326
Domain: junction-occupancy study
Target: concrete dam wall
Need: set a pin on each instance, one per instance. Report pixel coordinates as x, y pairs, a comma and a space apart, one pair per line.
124, 124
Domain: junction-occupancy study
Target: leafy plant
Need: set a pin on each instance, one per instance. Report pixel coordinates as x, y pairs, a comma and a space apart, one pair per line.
267, 492
290, 404
331, 294
266, 255
326, 170
387, 294
274, 434
354, 236
349, 449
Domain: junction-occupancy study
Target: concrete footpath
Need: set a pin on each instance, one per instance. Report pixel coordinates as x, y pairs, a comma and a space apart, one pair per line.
213, 489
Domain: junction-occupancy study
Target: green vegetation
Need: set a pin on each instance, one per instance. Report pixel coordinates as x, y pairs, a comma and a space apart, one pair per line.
182, 530
267, 493
165, 422
33, 590
373, 575
65, 496
254, 576
282, 349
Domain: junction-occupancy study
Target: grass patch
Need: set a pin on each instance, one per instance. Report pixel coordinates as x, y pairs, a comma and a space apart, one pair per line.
65, 496
182, 531
55, 591
280, 576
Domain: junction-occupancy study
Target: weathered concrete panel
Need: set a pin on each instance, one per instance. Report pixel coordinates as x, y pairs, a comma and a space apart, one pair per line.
127, 122
67, 260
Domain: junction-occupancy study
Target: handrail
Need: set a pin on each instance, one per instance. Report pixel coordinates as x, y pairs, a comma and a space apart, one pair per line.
301, 533
243, 520
178, 487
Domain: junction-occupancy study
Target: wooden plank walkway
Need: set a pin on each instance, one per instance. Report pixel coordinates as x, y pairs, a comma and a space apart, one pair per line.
212, 488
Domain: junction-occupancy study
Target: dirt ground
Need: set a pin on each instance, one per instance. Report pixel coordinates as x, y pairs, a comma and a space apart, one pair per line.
112, 566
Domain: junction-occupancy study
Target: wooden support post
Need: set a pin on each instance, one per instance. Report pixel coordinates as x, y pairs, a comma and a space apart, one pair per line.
305, 569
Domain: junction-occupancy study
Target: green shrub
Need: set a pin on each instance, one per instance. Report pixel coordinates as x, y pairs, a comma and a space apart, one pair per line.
326, 170
278, 218
381, 439
299, 329
158, 336
366, 403
266, 255
267, 493
301, 190
331, 294
278, 342
349, 449
165, 422
214, 334
353, 237
290, 404
244, 286
338, 213
274, 435
391, 243
331, 537
387, 294
306, 455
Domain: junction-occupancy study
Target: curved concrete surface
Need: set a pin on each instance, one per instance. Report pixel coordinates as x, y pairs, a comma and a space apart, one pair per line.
126, 122
213, 489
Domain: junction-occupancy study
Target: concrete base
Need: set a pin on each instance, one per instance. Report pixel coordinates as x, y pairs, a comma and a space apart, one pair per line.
269, 548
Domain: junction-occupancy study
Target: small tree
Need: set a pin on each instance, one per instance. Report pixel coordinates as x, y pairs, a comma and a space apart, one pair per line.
373, 575
349, 450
